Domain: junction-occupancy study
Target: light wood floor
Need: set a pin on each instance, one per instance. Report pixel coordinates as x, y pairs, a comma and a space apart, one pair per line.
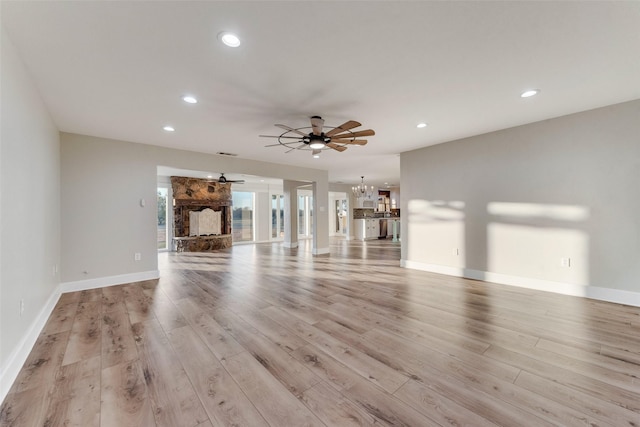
266, 336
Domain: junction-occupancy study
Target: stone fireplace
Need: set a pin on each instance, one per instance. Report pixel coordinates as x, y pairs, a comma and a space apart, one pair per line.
193, 200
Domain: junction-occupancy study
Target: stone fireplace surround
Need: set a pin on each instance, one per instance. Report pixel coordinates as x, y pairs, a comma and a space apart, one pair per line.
195, 194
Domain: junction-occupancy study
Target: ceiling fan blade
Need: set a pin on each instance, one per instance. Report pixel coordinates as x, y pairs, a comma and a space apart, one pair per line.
316, 124
336, 147
277, 136
294, 148
239, 181
285, 127
343, 127
350, 141
368, 132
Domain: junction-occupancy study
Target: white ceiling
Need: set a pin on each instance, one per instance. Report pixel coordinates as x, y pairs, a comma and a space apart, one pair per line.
118, 69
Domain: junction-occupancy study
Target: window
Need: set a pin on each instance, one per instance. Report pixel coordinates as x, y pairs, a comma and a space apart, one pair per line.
302, 225
277, 216
305, 215
340, 218
163, 218
243, 207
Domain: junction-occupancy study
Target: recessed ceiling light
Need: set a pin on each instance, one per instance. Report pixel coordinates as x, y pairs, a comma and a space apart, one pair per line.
316, 156
189, 99
421, 125
528, 93
229, 39
209, 176
169, 128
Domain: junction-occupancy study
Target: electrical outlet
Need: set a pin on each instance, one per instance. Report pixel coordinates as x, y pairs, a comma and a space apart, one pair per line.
137, 256
21, 306
565, 262
456, 251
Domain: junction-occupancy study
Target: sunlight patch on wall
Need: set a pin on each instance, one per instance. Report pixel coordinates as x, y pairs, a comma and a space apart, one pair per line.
536, 210
539, 241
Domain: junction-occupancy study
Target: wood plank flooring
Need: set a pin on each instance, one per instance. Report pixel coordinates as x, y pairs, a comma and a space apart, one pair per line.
260, 335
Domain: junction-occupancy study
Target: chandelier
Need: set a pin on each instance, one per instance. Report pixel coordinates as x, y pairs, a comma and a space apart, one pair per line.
362, 191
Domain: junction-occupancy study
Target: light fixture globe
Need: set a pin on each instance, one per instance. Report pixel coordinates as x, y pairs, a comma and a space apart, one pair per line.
316, 142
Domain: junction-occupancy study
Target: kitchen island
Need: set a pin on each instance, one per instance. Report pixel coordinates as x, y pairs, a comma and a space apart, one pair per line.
369, 228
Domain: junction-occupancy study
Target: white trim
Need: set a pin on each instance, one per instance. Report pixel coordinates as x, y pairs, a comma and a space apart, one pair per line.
102, 282
19, 355
290, 244
243, 242
617, 296
254, 242
320, 251
21, 351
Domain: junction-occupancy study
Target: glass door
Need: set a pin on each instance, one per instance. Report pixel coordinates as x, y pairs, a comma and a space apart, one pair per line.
305, 214
163, 218
242, 227
341, 217
277, 216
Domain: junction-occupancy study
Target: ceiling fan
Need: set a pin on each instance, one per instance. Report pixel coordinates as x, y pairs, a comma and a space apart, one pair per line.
336, 138
223, 180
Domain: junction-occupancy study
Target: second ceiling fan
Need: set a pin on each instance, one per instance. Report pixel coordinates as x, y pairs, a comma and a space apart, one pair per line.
336, 138
223, 180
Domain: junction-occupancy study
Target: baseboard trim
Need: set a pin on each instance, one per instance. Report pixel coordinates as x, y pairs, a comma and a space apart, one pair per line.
19, 355
320, 251
290, 245
103, 282
598, 293
16, 360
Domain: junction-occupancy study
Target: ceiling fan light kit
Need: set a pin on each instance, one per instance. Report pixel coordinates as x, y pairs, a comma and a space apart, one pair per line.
336, 138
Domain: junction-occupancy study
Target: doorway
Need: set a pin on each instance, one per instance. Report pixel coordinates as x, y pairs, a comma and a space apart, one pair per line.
164, 218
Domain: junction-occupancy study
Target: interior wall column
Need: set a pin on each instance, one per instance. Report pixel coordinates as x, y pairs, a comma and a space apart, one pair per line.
353, 203
321, 217
290, 190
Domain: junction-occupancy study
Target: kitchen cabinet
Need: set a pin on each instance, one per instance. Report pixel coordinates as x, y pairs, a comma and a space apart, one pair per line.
368, 228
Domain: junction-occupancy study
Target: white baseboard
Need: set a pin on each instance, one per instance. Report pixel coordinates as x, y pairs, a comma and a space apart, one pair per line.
603, 294
320, 251
102, 282
290, 245
19, 355
16, 359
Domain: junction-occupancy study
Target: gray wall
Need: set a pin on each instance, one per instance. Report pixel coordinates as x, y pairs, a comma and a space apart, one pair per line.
29, 207
103, 181
518, 201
